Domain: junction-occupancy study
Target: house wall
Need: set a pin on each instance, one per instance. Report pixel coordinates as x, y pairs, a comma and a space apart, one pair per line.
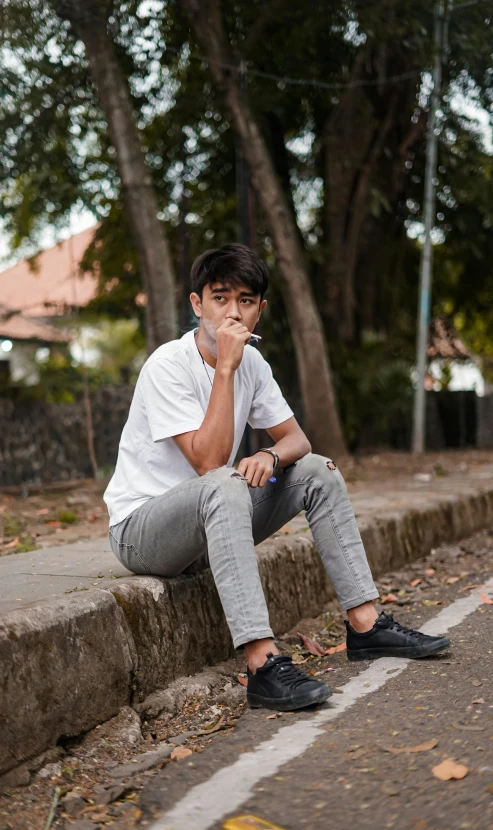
42, 442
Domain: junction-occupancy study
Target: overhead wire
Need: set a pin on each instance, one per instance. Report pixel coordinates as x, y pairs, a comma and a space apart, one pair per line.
284, 79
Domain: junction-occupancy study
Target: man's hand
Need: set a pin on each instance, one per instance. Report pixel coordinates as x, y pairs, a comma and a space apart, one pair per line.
231, 338
257, 468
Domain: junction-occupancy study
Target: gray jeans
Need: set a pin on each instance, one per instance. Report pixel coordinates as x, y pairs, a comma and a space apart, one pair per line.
217, 519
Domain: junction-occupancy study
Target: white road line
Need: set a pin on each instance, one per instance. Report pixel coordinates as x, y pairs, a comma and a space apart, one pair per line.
230, 787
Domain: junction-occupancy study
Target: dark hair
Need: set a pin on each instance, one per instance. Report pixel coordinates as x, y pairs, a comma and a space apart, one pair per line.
230, 265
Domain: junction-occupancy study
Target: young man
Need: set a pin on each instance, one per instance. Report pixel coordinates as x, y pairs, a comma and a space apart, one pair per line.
175, 497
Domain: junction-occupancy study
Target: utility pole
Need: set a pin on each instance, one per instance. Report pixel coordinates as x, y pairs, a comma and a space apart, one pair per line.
425, 271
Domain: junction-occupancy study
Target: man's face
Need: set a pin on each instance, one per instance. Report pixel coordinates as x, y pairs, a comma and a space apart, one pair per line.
220, 302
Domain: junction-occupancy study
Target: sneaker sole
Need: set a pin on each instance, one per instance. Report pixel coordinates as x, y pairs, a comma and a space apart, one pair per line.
407, 651
287, 704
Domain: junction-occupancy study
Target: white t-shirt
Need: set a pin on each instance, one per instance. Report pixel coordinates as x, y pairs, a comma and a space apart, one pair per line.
171, 396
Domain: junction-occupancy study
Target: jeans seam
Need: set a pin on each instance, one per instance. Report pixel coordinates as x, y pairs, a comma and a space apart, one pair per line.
230, 557
335, 528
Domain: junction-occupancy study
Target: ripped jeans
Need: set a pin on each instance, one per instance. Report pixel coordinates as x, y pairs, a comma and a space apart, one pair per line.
217, 519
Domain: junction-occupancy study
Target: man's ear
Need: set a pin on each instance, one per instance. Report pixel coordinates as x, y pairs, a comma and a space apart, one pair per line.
261, 307
196, 304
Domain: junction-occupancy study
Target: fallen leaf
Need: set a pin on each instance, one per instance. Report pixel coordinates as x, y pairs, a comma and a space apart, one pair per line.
53, 523
298, 660
388, 598
274, 716
336, 649
430, 571
432, 601
419, 748
311, 645
486, 599
415, 582
470, 587
478, 700
477, 682
468, 728
180, 752
11, 544
449, 769
242, 680
452, 579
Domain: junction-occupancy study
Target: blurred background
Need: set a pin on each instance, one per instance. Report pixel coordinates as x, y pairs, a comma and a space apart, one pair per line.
137, 134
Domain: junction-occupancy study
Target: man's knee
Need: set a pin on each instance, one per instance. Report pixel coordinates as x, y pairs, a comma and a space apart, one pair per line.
227, 480
317, 465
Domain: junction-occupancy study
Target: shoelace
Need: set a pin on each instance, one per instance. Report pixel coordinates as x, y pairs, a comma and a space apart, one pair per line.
287, 671
389, 622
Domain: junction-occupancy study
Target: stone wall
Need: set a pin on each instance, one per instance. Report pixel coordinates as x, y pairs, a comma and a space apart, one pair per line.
42, 442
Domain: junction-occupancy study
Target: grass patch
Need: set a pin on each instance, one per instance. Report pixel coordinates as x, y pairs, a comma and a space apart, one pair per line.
67, 517
12, 526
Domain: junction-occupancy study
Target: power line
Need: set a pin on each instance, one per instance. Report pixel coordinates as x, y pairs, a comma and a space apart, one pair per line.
283, 79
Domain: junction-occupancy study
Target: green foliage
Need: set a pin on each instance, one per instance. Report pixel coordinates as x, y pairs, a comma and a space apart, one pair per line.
12, 526
67, 517
56, 153
26, 544
375, 392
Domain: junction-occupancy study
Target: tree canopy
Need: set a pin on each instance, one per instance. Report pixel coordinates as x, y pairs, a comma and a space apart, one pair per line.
340, 91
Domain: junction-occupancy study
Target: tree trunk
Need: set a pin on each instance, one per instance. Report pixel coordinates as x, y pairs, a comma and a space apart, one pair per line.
314, 373
155, 262
354, 138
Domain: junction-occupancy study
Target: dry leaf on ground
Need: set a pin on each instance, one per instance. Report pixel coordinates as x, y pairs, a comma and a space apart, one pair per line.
180, 752
486, 599
388, 598
430, 571
415, 582
242, 680
311, 645
470, 587
11, 544
449, 769
478, 700
419, 748
452, 579
336, 649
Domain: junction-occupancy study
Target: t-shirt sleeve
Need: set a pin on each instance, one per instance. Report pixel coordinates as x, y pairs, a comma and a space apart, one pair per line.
169, 398
269, 408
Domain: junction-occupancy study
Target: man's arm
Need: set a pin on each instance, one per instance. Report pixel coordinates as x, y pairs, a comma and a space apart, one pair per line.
291, 444
211, 445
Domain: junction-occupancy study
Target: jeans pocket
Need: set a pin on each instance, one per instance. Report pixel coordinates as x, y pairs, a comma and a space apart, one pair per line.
129, 556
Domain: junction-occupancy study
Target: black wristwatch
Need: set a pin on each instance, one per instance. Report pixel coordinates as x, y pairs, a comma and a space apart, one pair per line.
273, 454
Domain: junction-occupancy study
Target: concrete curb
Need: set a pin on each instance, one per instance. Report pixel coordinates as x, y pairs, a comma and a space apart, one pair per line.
70, 664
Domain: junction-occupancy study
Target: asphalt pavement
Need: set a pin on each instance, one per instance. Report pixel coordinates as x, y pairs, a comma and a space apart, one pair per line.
369, 756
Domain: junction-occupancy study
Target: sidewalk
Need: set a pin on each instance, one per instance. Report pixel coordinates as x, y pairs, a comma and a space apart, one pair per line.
77, 644
28, 578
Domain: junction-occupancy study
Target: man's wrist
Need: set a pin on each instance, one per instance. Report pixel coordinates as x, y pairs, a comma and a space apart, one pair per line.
224, 369
272, 453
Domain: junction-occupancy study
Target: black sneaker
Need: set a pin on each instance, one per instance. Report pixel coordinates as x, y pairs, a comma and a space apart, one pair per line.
388, 638
279, 684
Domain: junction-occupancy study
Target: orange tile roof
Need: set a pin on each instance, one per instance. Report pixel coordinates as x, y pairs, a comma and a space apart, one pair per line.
56, 284
19, 327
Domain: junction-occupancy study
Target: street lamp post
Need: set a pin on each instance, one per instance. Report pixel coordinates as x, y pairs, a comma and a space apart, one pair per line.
425, 270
